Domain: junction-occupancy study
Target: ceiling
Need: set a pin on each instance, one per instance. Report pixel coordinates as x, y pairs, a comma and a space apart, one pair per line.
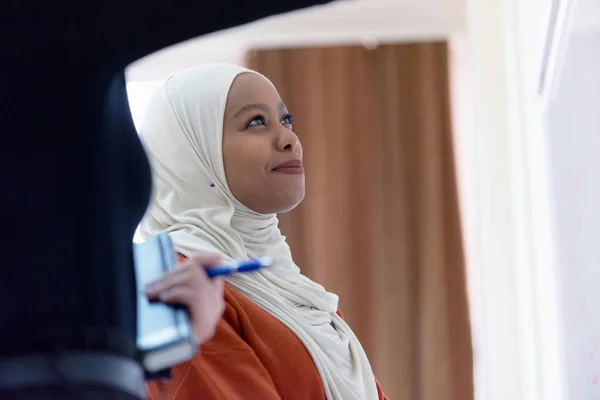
340, 22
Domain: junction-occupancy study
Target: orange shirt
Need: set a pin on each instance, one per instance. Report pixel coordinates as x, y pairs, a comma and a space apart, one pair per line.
252, 356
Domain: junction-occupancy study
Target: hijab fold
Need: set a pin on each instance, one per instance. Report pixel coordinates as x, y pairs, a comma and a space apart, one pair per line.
182, 133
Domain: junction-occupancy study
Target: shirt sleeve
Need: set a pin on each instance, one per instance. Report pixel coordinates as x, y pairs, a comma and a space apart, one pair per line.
226, 368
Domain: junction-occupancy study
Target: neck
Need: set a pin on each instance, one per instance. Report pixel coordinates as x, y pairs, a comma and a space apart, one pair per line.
256, 228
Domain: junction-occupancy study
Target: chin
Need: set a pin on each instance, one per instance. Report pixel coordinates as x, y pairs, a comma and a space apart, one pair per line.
290, 203
289, 208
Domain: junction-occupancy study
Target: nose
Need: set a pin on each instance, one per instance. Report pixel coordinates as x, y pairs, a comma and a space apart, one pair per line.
287, 141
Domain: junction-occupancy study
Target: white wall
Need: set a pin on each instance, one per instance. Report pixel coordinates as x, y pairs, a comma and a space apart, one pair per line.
574, 137
517, 291
340, 22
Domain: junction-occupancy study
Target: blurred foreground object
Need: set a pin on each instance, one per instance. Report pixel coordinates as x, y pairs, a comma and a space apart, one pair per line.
75, 183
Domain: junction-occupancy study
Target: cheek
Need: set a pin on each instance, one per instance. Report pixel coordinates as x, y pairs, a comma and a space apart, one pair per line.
246, 160
252, 157
246, 164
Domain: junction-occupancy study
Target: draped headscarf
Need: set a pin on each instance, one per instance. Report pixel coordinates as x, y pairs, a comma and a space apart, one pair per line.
182, 133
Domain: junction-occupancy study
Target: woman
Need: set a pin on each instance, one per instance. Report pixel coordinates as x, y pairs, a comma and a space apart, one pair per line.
225, 162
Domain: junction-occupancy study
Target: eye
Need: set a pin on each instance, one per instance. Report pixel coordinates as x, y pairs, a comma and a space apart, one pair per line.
288, 119
256, 121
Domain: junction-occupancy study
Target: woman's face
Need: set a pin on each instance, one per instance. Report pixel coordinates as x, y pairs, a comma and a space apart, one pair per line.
262, 155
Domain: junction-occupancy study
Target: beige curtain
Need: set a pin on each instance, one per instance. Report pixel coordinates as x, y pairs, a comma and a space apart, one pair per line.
380, 224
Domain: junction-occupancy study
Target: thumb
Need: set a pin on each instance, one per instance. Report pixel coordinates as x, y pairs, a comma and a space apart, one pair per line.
206, 259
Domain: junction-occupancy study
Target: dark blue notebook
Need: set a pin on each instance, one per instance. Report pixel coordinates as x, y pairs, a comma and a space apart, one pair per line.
165, 336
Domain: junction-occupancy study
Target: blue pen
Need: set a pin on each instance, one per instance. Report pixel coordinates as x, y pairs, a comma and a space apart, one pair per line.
243, 266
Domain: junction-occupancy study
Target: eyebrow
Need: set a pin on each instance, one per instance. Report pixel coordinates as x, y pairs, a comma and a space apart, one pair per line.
262, 107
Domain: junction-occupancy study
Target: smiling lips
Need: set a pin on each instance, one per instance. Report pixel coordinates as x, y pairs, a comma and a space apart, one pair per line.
293, 167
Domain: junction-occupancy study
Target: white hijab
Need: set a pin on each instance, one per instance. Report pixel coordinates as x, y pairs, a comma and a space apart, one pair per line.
182, 133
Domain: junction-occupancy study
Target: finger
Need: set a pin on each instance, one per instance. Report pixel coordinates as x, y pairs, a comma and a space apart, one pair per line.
206, 259
188, 275
205, 317
217, 297
178, 276
178, 295
220, 307
217, 280
218, 284
197, 261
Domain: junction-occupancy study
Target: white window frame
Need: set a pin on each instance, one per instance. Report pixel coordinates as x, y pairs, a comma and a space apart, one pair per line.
515, 303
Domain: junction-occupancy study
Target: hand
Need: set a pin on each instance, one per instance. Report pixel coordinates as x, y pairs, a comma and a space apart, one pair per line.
189, 286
